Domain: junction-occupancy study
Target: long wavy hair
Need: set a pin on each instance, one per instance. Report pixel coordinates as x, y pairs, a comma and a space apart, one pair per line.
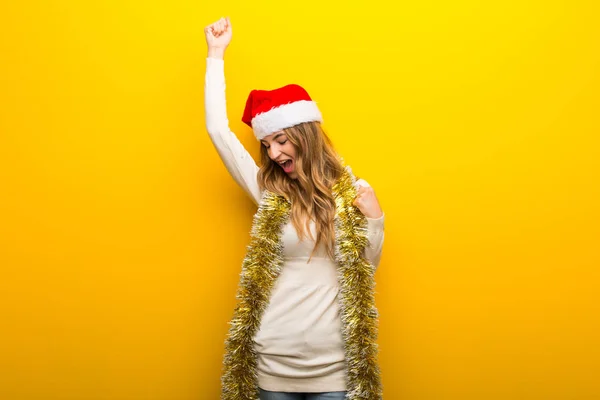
318, 167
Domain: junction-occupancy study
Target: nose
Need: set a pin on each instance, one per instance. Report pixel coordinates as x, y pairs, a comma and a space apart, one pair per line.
274, 152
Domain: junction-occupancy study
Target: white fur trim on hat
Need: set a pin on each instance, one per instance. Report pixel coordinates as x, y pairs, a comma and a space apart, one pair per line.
285, 116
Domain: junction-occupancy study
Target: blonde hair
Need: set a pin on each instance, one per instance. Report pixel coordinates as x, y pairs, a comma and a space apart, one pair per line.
318, 167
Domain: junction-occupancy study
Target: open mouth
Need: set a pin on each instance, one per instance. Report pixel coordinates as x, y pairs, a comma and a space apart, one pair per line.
288, 166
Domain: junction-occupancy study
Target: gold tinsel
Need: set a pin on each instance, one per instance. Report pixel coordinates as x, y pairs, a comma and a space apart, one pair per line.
260, 269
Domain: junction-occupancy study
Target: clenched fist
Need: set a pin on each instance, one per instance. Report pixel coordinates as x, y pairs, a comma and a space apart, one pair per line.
366, 201
218, 36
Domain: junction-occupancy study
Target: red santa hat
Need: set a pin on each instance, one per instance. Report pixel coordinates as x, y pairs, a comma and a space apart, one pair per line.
269, 111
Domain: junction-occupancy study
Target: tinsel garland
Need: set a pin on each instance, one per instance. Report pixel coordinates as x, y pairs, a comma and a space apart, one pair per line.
261, 267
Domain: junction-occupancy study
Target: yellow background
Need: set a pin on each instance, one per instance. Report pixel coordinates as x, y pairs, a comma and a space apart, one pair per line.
122, 235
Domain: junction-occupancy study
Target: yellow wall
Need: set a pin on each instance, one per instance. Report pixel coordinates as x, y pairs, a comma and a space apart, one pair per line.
122, 235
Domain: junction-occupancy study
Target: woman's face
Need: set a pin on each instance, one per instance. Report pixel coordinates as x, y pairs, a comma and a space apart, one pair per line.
282, 152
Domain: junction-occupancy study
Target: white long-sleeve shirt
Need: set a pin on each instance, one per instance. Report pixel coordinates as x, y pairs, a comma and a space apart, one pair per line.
299, 343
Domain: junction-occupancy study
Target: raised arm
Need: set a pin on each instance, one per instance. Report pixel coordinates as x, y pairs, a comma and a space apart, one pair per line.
235, 157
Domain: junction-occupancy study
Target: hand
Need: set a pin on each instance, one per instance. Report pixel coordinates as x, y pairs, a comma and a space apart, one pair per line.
367, 202
218, 36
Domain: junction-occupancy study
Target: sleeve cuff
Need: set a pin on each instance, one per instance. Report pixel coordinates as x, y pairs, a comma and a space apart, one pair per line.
214, 61
376, 224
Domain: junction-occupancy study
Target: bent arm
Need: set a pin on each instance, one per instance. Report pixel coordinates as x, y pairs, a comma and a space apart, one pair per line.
375, 233
375, 227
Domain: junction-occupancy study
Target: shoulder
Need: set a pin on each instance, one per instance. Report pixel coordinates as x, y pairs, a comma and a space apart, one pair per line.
362, 182
358, 182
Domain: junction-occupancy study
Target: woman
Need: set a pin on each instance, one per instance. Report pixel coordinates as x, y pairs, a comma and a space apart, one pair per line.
305, 326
